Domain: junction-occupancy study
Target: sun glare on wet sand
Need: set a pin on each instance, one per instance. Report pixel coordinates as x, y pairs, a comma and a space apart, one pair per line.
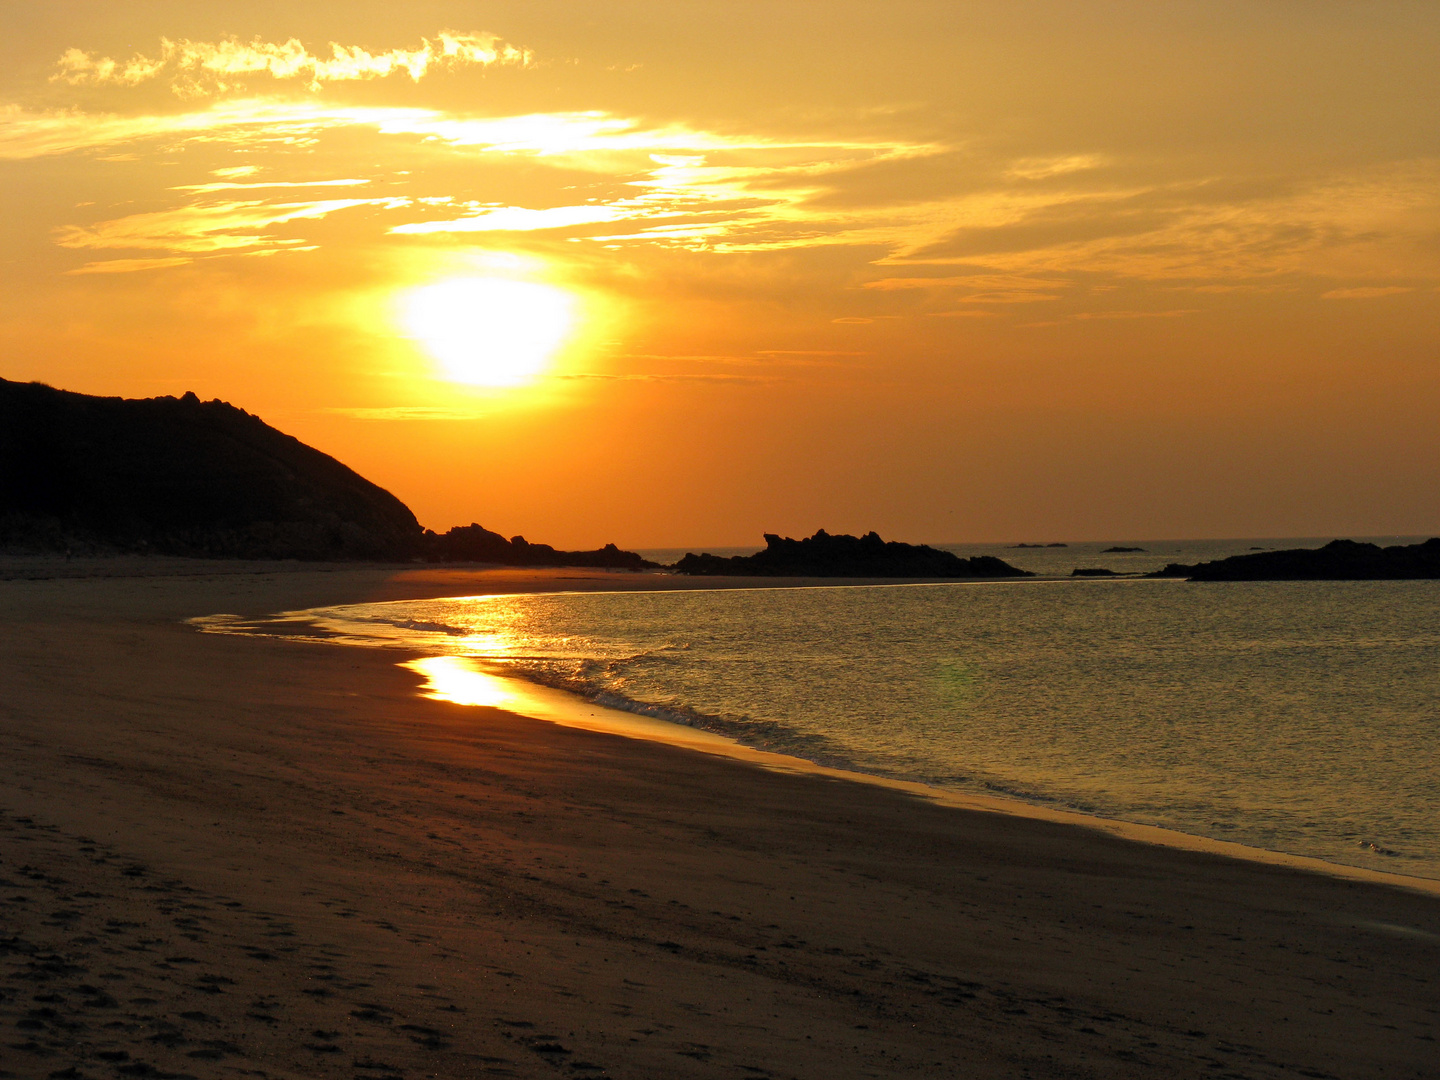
453, 679
490, 331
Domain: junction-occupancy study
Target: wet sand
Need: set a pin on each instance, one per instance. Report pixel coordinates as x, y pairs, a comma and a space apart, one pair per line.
227, 856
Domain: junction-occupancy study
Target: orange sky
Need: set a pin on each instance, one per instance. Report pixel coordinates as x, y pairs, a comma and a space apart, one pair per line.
954, 271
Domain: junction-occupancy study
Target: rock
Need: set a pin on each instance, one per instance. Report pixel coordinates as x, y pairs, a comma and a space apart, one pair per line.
473, 543
1339, 560
823, 555
1113, 550
1092, 571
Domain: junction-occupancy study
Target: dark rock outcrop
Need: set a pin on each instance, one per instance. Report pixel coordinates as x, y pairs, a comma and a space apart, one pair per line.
1017, 547
472, 543
1091, 571
1339, 560
180, 476
1111, 550
868, 556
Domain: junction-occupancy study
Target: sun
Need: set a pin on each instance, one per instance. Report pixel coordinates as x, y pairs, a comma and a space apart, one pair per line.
490, 331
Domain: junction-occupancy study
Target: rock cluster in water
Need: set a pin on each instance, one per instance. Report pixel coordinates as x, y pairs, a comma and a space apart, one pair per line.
472, 543
1339, 560
868, 556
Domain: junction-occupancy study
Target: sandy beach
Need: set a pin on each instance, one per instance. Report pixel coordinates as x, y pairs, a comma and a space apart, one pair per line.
224, 856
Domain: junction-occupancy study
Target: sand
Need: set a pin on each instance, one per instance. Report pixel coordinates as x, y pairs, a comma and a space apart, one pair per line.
226, 856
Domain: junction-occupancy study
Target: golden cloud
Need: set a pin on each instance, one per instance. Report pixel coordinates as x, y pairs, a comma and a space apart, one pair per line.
200, 67
130, 266
1174, 313
676, 186
1366, 292
211, 227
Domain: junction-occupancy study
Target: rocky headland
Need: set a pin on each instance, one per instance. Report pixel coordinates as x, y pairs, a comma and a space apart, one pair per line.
180, 476
88, 475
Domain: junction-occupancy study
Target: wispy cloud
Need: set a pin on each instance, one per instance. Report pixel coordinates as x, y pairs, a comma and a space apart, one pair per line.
251, 122
988, 282
407, 412
203, 67
211, 227
978, 288
230, 185
673, 378
1366, 292
1174, 313
1044, 168
1032, 226
130, 266
515, 219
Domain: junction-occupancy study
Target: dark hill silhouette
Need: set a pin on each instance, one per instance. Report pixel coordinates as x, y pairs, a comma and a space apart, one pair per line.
823, 555
181, 476
1339, 560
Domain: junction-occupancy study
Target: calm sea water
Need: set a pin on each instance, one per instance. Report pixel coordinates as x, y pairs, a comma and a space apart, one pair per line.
1294, 716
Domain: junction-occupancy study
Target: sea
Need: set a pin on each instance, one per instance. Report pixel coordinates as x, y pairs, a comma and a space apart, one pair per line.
1300, 717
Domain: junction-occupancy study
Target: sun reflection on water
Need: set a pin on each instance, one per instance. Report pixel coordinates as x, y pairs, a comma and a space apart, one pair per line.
456, 679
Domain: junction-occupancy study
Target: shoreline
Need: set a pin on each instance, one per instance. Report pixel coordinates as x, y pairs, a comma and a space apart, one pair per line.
537, 701
540, 701
225, 853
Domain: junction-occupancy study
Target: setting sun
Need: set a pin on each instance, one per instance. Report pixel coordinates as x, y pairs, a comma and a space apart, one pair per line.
490, 331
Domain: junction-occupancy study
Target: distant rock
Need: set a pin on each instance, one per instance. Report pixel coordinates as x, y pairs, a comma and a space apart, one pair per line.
1017, 547
180, 476
868, 556
1339, 560
472, 543
1092, 571
1115, 550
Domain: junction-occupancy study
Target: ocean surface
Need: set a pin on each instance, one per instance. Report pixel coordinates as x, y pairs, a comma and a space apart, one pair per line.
1294, 716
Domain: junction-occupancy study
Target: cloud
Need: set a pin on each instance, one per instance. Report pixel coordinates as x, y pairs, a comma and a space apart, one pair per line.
212, 227
1172, 314
1011, 282
408, 412
1366, 292
202, 67
515, 219
1044, 168
1067, 221
610, 377
129, 266
983, 288
808, 352
670, 185
251, 122
599, 178
231, 186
